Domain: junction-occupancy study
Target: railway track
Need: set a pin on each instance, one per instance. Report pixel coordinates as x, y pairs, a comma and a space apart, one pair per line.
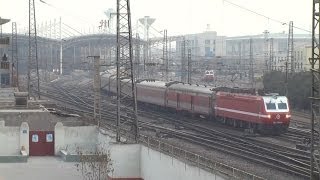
278, 157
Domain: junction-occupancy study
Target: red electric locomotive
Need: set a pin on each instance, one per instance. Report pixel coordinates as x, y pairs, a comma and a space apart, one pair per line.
265, 113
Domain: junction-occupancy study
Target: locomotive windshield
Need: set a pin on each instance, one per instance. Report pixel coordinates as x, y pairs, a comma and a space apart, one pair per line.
271, 106
276, 104
282, 105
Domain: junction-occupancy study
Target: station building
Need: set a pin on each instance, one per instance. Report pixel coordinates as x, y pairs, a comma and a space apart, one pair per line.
207, 48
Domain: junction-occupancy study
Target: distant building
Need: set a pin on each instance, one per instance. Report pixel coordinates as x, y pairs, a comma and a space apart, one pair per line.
302, 54
210, 47
206, 45
240, 47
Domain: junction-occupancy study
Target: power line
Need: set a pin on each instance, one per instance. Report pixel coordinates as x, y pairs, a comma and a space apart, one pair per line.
262, 15
67, 12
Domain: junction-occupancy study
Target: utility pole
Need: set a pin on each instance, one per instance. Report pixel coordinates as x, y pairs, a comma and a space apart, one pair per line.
14, 63
251, 72
33, 68
290, 58
183, 59
145, 57
239, 70
315, 92
126, 90
189, 66
46, 47
137, 60
96, 89
271, 54
286, 77
60, 48
165, 54
266, 47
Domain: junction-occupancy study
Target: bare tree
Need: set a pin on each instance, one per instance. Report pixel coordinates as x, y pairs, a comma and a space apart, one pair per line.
94, 165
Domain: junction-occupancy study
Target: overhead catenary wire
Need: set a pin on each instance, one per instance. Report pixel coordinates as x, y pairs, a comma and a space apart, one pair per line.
264, 16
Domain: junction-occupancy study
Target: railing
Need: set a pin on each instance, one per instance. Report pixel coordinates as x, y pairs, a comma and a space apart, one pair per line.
184, 155
189, 157
195, 159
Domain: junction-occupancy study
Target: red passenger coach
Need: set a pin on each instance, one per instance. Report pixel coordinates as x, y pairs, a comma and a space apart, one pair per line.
194, 99
152, 92
264, 113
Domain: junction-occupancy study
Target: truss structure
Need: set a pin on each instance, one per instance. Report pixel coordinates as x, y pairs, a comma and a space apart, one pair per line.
165, 54
14, 51
126, 87
315, 93
290, 58
183, 60
137, 56
33, 70
251, 72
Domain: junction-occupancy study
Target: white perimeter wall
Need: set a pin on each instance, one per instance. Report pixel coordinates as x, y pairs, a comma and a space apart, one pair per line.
158, 166
138, 161
9, 140
129, 160
71, 138
126, 161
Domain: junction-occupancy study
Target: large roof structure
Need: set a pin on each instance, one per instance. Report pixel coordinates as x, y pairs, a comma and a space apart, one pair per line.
4, 21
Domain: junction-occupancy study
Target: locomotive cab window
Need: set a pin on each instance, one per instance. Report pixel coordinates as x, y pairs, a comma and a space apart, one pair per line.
271, 106
282, 105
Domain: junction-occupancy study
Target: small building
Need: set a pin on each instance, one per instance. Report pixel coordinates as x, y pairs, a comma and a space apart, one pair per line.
5, 72
205, 45
5, 64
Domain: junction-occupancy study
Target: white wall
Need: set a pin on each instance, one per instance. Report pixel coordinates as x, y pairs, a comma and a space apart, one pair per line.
126, 161
130, 160
24, 137
70, 138
9, 140
158, 166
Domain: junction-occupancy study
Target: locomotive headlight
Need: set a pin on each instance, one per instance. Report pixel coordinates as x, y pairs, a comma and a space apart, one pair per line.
288, 116
269, 116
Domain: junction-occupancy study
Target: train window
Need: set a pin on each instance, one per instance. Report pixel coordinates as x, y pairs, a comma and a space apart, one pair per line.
271, 106
282, 105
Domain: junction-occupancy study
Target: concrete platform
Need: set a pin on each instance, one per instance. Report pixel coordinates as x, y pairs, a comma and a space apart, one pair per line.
49, 168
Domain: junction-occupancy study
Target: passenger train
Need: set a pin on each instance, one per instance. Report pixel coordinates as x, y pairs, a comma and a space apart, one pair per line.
267, 114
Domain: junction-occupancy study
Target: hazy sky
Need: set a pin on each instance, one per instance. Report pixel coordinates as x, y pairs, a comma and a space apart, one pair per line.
178, 16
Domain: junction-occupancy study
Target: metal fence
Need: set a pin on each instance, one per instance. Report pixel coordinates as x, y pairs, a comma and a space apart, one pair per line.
185, 156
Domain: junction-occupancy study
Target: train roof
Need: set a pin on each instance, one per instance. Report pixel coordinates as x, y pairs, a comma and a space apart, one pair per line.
177, 86
157, 84
191, 88
240, 95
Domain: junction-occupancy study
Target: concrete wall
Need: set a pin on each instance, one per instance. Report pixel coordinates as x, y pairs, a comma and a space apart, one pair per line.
9, 140
158, 166
138, 161
129, 161
126, 161
105, 139
71, 138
